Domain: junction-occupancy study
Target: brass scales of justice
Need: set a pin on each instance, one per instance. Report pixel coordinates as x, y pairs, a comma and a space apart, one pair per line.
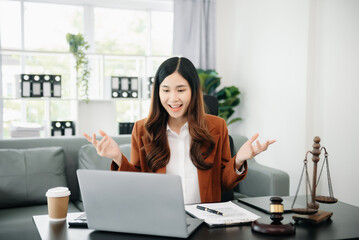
312, 213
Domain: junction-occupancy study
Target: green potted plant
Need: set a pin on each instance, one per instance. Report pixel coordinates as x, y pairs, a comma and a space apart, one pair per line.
78, 47
227, 96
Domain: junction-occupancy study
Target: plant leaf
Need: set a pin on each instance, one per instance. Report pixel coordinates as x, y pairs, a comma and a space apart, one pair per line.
233, 121
231, 102
211, 84
227, 97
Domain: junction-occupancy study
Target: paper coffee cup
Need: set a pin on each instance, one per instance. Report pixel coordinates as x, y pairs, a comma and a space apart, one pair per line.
57, 203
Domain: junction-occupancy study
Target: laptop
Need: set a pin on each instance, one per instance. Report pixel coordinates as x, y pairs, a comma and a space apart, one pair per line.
139, 203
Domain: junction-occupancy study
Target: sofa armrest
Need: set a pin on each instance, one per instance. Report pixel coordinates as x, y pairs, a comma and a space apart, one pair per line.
263, 181
260, 180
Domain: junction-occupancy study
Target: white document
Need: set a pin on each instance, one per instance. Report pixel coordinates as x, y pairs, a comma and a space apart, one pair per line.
46, 86
134, 85
26, 89
57, 133
124, 84
232, 214
68, 131
36, 89
57, 90
115, 83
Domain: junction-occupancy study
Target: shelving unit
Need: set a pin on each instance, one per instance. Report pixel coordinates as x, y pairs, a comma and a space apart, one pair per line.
98, 112
126, 109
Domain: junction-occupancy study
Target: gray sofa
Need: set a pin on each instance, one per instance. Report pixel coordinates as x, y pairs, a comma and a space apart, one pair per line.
28, 167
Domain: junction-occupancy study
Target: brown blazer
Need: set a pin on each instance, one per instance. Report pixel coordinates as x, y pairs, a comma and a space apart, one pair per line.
212, 182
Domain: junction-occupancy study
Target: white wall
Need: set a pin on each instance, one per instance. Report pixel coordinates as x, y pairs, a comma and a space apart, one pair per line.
336, 115
295, 63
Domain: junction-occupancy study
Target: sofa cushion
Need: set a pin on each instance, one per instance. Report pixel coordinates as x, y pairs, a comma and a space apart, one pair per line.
26, 175
89, 159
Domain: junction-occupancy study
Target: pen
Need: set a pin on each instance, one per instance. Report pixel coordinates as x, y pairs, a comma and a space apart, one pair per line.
209, 210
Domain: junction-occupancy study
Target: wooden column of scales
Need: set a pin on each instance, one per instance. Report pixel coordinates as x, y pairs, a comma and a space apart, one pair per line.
312, 213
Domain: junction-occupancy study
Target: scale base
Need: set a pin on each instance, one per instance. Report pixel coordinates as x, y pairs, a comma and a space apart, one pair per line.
319, 217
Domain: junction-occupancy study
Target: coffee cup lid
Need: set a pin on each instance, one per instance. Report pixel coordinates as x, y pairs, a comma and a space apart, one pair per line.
58, 192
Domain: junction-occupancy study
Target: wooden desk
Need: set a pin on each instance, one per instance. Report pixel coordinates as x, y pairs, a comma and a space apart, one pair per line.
343, 225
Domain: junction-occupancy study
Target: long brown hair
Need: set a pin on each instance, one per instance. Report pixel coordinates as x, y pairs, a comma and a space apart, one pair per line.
156, 123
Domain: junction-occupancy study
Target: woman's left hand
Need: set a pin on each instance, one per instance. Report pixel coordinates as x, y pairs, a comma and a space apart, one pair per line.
248, 150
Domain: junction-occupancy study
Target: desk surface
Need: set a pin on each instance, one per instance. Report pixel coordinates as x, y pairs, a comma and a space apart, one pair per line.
342, 225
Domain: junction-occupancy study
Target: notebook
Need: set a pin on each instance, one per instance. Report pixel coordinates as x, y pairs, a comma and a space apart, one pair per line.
131, 202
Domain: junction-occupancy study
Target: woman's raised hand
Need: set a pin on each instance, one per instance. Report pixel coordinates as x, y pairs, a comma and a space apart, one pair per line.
106, 147
248, 150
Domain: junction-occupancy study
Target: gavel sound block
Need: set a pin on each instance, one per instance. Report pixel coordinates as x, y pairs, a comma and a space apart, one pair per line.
276, 227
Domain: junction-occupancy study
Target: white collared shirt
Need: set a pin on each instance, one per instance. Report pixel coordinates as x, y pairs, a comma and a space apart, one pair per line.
181, 164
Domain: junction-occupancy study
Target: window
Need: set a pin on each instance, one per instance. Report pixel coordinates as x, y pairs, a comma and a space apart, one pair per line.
129, 40
46, 25
160, 39
121, 31
10, 13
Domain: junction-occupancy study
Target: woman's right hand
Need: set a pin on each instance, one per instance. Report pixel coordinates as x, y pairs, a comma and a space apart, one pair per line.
106, 147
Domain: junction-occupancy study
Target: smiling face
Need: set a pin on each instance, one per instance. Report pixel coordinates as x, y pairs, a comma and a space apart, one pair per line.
175, 97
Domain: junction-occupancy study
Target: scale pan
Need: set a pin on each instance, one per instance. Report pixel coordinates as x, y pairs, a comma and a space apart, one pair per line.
305, 211
327, 200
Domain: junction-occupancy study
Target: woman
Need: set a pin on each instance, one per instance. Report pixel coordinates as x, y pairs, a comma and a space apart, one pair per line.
178, 137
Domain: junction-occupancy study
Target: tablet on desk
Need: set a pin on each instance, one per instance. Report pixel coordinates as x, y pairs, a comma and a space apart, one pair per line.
263, 203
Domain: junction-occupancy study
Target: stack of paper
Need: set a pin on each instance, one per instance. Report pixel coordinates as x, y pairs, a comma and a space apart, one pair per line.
232, 214
24, 129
